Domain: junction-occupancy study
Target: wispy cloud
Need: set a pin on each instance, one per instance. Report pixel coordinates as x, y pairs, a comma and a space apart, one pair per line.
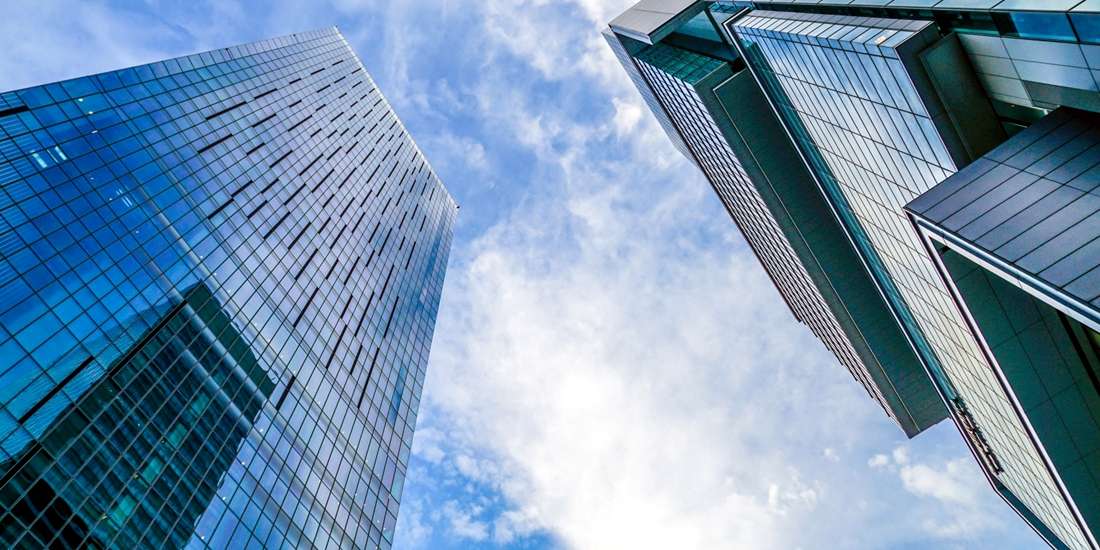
956, 485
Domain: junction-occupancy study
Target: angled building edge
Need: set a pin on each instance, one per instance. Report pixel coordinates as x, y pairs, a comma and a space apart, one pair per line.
1016, 235
778, 209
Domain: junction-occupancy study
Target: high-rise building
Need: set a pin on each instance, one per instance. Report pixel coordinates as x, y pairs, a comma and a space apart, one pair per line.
818, 122
219, 278
720, 119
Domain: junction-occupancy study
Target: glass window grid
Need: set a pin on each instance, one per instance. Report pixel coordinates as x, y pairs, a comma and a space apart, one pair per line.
399, 319
1062, 26
724, 171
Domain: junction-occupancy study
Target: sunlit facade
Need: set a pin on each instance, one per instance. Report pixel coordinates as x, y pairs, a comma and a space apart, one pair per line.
868, 107
219, 277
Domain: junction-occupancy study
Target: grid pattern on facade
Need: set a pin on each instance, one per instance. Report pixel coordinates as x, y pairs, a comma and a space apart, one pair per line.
275, 176
852, 107
672, 74
1029, 72
1038, 20
1050, 362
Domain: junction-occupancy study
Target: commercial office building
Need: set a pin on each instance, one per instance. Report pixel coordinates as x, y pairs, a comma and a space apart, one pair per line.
219, 282
874, 105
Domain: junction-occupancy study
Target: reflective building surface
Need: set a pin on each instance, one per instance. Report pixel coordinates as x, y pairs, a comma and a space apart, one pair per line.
219, 277
715, 108
1017, 236
832, 117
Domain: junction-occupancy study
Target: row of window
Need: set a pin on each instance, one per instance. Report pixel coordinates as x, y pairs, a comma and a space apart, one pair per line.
393, 400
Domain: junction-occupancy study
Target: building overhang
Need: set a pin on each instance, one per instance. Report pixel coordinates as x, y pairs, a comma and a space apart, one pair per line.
981, 213
649, 21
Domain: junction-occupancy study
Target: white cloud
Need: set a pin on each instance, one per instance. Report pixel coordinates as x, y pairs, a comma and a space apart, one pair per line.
464, 523
601, 367
426, 445
901, 455
627, 116
956, 485
451, 149
416, 529
512, 524
794, 493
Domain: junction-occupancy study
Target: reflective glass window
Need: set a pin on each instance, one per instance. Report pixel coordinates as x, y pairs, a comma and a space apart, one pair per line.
1087, 26
1042, 25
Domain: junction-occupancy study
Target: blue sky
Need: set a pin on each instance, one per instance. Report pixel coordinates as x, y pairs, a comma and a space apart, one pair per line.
611, 367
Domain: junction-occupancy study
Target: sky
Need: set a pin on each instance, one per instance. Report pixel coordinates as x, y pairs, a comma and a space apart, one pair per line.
611, 367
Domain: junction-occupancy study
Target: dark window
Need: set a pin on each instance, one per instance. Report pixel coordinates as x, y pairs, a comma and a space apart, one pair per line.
265, 119
305, 265
271, 91
277, 224
972, 21
1027, 24
211, 146
225, 110
300, 122
299, 236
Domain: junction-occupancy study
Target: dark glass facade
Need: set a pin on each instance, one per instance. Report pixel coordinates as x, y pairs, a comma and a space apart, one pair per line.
219, 277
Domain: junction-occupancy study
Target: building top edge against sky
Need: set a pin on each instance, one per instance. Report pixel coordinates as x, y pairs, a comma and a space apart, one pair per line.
34, 96
857, 331
1079, 6
203, 59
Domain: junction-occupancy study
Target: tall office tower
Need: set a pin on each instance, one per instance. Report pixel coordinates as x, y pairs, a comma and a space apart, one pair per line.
219, 276
835, 116
711, 107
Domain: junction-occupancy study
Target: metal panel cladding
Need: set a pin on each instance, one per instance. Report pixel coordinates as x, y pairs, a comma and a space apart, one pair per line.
678, 78
846, 88
219, 278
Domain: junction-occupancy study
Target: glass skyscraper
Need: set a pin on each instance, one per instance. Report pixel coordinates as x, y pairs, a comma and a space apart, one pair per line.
901, 166
219, 278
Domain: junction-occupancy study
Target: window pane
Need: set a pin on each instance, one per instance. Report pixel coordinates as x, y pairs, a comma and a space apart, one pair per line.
1048, 26
1087, 26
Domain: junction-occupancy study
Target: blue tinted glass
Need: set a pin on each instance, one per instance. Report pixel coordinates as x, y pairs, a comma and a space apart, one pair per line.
976, 22
1087, 26
180, 305
1047, 26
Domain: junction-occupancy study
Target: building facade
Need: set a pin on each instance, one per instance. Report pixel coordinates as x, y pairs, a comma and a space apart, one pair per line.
868, 108
1015, 237
713, 108
218, 285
